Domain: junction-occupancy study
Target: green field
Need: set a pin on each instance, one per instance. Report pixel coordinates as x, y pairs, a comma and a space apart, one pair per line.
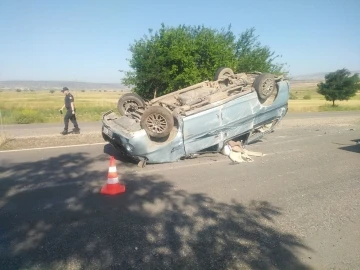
43, 106
308, 100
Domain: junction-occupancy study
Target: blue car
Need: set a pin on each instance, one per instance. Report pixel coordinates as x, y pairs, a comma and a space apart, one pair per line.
202, 117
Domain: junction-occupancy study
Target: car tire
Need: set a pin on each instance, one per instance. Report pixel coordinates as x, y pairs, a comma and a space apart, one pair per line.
104, 137
264, 85
223, 71
157, 121
129, 102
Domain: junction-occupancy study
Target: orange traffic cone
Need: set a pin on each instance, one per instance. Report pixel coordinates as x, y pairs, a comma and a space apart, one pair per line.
112, 185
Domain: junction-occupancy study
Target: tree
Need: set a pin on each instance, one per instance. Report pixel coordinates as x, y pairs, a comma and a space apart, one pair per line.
176, 57
252, 56
339, 85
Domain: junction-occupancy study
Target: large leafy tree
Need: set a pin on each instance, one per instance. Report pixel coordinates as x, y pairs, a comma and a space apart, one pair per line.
339, 85
176, 57
251, 56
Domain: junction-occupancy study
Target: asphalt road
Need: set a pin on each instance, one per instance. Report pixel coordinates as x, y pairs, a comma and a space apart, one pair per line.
295, 208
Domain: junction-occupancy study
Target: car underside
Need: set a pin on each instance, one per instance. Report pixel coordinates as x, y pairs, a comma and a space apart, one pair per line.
199, 117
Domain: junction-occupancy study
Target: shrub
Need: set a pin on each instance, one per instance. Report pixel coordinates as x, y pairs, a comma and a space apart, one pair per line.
307, 96
28, 117
292, 96
52, 91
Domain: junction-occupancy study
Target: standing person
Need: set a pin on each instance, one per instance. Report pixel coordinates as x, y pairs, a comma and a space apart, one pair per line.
70, 112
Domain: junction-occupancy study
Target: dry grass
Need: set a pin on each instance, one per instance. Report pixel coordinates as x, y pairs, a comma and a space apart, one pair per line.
308, 100
43, 106
322, 105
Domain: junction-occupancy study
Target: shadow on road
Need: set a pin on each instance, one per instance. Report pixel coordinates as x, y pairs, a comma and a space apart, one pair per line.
53, 217
111, 151
352, 148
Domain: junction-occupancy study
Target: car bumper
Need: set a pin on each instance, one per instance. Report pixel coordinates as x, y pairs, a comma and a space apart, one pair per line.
139, 146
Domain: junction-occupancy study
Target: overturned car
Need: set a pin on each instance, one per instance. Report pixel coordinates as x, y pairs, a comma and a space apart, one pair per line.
198, 118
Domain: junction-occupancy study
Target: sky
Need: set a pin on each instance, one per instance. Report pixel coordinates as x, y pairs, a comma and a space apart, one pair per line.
88, 40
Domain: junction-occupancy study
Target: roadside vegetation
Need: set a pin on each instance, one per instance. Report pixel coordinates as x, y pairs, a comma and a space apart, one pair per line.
339, 85
172, 58
307, 99
43, 106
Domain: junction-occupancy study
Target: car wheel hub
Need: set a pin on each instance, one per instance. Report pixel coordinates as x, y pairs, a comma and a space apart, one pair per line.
130, 106
267, 86
156, 123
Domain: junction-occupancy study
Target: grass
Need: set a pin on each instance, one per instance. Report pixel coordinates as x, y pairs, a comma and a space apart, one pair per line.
322, 105
43, 107
306, 99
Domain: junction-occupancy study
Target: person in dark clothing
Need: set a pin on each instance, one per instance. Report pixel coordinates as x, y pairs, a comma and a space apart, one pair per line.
70, 112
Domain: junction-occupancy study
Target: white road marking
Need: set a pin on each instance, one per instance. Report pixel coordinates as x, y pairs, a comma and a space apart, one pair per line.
52, 147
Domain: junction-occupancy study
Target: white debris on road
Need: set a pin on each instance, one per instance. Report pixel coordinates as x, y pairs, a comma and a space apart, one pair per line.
237, 153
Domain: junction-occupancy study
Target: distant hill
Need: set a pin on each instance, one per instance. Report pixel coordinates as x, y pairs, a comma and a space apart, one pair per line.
57, 85
315, 76
298, 80
309, 80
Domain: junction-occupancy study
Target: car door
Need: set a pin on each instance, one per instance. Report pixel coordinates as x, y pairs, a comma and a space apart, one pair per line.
237, 115
202, 130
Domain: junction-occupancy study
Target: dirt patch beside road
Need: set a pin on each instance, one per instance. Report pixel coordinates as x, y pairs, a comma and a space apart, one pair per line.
351, 121
51, 141
2, 139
